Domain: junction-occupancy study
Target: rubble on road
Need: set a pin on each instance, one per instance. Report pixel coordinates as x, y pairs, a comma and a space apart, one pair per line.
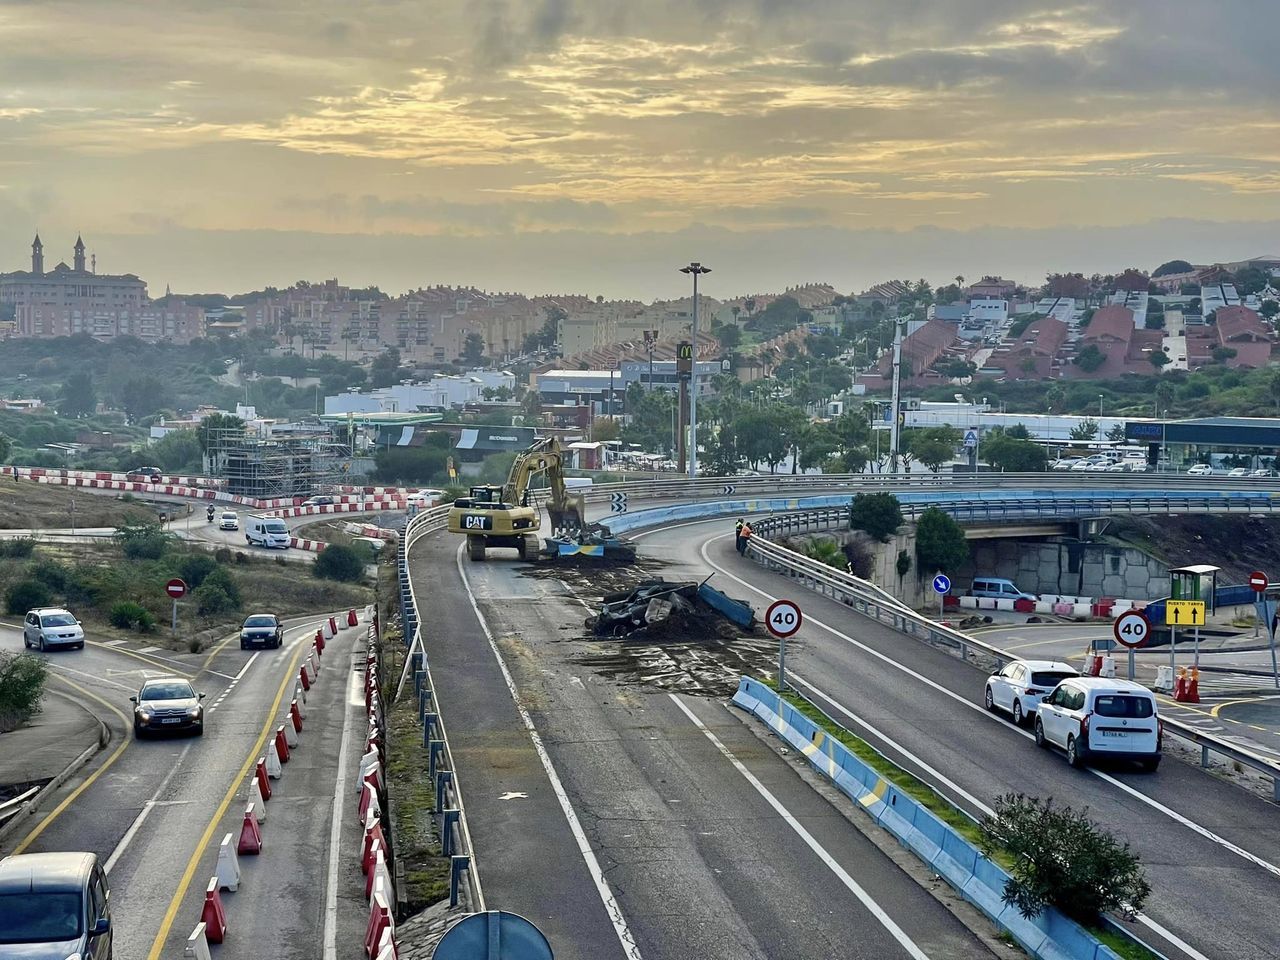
681, 610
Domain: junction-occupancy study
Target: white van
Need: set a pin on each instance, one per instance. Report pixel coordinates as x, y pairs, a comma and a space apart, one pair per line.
1095, 717
266, 532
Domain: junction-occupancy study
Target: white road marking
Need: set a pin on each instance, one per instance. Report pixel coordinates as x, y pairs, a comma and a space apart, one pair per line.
132, 832
514, 795
114, 643
148, 649
612, 909
245, 668
811, 842
335, 823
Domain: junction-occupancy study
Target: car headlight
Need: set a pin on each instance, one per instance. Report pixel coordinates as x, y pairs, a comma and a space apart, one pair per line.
193, 712
144, 713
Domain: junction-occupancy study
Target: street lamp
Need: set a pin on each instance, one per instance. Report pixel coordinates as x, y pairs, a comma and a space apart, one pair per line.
1099, 405
695, 269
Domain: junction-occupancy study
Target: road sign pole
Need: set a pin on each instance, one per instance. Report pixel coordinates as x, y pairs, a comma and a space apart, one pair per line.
782, 665
175, 616
1196, 647
1131, 663
941, 608
1173, 649
1275, 673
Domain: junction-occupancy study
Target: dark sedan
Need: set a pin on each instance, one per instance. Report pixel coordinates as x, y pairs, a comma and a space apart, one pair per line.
167, 704
261, 630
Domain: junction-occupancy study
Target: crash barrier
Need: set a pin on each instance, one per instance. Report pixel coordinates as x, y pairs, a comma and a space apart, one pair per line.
877, 604
374, 852
313, 546
455, 839
980, 881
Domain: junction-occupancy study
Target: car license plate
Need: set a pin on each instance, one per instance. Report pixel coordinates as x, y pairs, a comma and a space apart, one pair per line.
1114, 734
171, 720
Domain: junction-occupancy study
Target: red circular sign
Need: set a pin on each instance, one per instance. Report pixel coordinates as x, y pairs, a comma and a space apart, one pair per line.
1258, 581
783, 618
1131, 628
175, 588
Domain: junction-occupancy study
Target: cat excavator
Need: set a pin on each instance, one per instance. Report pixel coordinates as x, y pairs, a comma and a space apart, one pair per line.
506, 516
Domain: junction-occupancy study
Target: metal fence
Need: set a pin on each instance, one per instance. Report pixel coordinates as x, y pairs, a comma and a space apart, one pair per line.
871, 601
450, 815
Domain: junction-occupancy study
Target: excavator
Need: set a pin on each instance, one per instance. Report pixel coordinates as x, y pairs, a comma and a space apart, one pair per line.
505, 516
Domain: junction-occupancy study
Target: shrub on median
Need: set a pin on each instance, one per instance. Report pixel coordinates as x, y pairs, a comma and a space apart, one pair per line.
26, 594
128, 615
337, 562
21, 547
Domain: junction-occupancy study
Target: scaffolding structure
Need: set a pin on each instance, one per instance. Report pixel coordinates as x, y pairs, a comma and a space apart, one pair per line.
270, 467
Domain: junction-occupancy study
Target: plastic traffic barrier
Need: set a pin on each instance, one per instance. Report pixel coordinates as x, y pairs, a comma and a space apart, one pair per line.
352, 620
255, 794
250, 834
303, 678
379, 921
282, 745
319, 642
264, 780
197, 947
228, 871
296, 716
274, 769
290, 734
212, 915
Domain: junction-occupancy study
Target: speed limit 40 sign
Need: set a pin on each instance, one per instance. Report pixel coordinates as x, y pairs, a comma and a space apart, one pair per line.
1131, 629
783, 618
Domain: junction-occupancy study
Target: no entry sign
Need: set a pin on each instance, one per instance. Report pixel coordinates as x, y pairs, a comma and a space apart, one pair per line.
176, 588
1258, 581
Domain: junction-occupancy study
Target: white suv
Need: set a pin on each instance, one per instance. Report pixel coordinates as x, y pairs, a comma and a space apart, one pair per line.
1095, 717
48, 627
1022, 684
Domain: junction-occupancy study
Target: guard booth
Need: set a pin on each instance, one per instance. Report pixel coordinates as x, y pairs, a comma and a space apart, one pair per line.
1196, 582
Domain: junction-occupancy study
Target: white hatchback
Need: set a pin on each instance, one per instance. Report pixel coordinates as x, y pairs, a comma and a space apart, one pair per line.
1019, 687
228, 521
1096, 717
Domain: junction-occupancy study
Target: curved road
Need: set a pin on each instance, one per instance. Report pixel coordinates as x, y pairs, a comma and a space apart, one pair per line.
1212, 850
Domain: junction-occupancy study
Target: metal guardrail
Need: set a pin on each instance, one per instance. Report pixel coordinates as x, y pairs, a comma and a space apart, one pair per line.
13, 806
455, 839
873, 602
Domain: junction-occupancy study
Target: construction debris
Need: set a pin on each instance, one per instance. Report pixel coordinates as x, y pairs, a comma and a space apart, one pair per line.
680, 610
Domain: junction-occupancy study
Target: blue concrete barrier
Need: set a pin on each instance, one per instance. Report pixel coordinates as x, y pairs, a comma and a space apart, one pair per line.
1049, 936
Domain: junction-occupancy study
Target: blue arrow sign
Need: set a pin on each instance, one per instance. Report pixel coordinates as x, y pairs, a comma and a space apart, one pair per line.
942, 584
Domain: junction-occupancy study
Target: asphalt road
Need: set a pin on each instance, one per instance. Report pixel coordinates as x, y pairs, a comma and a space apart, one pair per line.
635, 833
1211, 849
154, 810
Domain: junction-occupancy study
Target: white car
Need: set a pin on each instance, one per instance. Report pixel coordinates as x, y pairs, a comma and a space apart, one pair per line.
47, 627
424, 498
1238, 472
228, 521
1065, 463
1200, 470
1262, 473
1019, 687
1096, 717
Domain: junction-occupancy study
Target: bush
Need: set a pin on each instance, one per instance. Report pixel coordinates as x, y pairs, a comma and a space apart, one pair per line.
1064, 859
195, 567
128, 615
212, 600
22, 680
340, 563
26, 594
19, 547
51, 573
877, 513
223, 555
221, 578
142, 541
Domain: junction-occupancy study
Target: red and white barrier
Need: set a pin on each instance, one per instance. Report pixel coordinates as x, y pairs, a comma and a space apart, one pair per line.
282, 745
250, 834
228, 870
296, 716
261, 787
212, 915
197, 947
380, 922
290, 735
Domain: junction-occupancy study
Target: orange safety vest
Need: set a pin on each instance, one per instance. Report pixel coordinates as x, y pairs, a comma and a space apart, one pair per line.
746, 531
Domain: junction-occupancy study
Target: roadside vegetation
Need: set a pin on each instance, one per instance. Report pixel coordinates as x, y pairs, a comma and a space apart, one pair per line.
22, 684
25, 505
117, 588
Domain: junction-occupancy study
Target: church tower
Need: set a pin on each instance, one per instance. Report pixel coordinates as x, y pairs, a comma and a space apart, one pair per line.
37, 257
79, 249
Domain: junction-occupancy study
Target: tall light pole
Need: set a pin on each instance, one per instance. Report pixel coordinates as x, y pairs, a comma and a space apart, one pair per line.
696, 269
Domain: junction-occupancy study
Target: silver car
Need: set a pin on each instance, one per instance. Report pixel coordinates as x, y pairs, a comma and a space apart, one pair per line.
48, 627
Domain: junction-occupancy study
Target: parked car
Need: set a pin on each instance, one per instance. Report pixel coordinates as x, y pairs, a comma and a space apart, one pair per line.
55, 905
261, 630
1262, 473
145, 475
998, 588
317, 501
47, 627
1020, 686
1137, 466
1096, 717
1238, 472
1200, 470
167, 704
228, 521
1064, 463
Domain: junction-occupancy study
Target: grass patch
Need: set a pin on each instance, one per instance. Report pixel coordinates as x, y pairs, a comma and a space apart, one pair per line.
37, 506
1122, 945
413, 801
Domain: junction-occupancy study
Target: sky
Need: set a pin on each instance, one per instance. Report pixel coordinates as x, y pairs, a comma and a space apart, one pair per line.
593, 146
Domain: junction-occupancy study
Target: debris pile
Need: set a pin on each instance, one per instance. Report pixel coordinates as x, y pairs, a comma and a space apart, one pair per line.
676, 610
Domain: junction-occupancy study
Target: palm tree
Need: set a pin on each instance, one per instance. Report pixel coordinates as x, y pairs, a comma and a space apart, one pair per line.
960, 280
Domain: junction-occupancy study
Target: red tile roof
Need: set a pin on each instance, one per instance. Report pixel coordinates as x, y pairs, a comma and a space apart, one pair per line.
1239, 323
1110, 323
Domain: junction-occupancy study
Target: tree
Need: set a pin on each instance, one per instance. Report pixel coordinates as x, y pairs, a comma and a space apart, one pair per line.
143, 395
1087, 429
940, 542
957, 369
1158, 358
142, 541
1222, 354
1116, 433
410, 465
78, 398
215, 426
1269, 309
22, 683
1172, 266
729, 335
1014, 456
473, 348
605, 428
1165, 392
338, 562
1018, 431
385, 369
879, 514
1055, 399
1090, 358
176, 452
1154, 321
1273, 387
1059, 857
932, 451
6, 446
